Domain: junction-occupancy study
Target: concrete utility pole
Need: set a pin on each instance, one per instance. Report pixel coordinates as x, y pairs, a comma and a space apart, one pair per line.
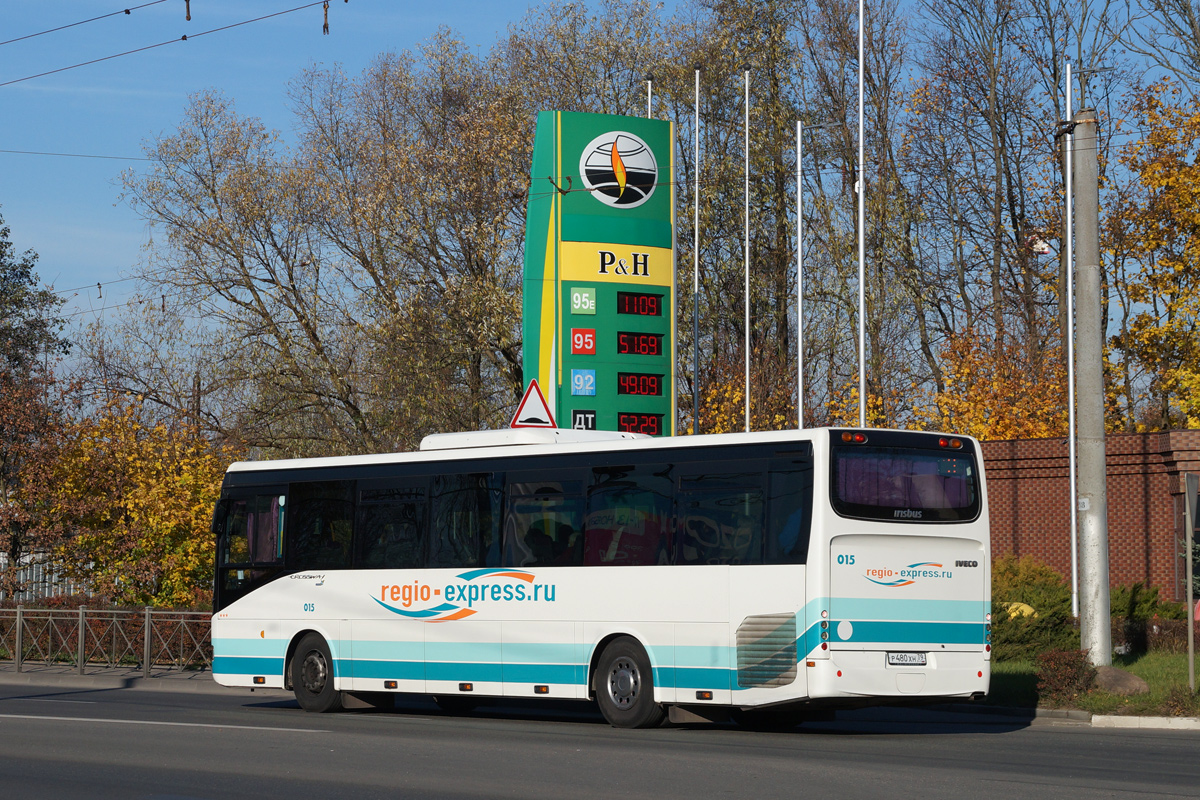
1095, 623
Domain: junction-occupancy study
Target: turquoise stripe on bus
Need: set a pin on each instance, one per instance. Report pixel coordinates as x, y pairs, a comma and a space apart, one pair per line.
939, 632
242, 665
909, 609
463, 651
250, 647
389, 651
693, 678
480, 672
540, 673
535, 653
703, 656
389, 670
446, 671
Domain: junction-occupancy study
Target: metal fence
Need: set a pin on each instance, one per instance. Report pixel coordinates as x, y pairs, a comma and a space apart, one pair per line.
114, 638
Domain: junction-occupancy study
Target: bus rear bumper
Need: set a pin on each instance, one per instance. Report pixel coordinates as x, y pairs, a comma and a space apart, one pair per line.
858, 673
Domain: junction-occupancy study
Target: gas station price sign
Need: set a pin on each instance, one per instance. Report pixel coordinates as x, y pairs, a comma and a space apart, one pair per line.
620, 332
599, 285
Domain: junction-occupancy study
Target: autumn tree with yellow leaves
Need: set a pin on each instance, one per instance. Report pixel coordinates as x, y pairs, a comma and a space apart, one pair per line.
128, 505
1154, 237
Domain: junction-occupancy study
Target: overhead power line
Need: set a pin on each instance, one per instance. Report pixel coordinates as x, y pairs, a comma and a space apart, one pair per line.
183, 38
125, 11
73, 155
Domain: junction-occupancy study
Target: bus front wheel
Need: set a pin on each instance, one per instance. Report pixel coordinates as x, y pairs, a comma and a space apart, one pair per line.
624, 686
312, 675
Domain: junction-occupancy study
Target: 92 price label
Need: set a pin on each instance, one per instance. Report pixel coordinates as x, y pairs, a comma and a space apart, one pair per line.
583, 341
583, 300
583, 382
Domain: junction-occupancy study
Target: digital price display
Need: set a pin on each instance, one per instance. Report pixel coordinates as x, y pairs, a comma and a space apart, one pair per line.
639, 344
640, 423
639, 383
642, 304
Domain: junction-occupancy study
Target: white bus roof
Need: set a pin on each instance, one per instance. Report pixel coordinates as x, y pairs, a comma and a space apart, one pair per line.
526, 441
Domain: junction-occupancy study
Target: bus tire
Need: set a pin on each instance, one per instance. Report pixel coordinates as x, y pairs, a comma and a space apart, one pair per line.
312, 675
624, 686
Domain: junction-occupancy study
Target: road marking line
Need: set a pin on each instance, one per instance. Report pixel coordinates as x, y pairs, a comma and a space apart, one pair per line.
48, 700
156, 722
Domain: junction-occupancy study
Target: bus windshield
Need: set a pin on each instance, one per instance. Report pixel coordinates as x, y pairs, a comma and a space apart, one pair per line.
902, 484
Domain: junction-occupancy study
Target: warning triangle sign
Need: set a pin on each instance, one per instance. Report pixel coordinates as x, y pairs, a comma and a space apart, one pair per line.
533, 412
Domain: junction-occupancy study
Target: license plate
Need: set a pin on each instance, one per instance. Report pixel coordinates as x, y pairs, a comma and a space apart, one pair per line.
906, 659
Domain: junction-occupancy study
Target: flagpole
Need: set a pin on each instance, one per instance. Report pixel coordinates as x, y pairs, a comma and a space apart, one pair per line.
799, 274
746, 195
862, 240
1071, 435
696, 269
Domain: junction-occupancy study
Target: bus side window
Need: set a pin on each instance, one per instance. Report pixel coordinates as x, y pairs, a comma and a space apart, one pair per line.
235, 538
628, 520
720, 518
465, 529
543, 526
790, 512
321, 525
390, 529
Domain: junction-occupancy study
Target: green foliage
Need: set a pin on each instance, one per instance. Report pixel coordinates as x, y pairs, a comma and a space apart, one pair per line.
1027, 580
1140, 602
1050, 627
1063, 676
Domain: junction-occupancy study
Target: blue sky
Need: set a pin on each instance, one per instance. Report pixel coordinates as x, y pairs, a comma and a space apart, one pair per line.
68, 209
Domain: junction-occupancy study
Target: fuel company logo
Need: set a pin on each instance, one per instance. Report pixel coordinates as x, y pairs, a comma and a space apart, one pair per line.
459, 598
906, 576
619, 169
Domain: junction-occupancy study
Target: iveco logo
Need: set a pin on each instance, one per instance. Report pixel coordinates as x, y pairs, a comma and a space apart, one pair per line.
907, 513
966, 563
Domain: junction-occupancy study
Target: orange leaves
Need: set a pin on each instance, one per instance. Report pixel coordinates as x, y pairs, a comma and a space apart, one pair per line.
1158, 236
133, 500
997, 393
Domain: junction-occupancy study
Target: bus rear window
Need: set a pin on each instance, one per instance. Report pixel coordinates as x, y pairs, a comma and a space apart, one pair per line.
901, 484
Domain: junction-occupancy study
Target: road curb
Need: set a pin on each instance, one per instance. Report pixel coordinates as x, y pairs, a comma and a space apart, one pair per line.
1147, 723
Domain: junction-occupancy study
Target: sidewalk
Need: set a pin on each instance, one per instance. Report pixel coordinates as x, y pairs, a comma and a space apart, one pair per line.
101, 677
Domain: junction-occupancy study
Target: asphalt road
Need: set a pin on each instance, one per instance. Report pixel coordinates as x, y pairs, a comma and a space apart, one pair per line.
61, 742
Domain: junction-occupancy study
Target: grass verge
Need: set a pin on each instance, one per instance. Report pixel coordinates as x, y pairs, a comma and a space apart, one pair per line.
1014, 685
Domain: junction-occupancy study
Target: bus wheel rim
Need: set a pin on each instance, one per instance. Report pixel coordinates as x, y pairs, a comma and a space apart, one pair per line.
624, 683
315, 672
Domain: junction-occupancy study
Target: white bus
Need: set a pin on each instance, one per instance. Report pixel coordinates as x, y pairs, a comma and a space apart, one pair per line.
794, 571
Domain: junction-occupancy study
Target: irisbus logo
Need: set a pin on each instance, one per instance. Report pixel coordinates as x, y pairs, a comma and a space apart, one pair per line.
906, 576
421, 601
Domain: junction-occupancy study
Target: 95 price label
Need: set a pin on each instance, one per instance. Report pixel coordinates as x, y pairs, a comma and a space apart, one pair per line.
583, 341
583, 300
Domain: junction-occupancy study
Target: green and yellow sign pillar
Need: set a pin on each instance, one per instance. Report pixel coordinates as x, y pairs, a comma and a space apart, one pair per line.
599, 304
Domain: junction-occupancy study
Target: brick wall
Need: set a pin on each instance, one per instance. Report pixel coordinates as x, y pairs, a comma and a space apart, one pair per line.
1029, 499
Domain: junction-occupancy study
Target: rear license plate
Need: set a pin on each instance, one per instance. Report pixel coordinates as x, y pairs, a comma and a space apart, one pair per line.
906, 659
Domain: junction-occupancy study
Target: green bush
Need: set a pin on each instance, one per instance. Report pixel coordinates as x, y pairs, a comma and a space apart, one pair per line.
1141, 602
1063, 676
1034, 583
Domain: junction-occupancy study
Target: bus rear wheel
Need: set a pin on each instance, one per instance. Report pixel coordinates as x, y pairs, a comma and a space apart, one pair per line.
624, 686
312, 675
